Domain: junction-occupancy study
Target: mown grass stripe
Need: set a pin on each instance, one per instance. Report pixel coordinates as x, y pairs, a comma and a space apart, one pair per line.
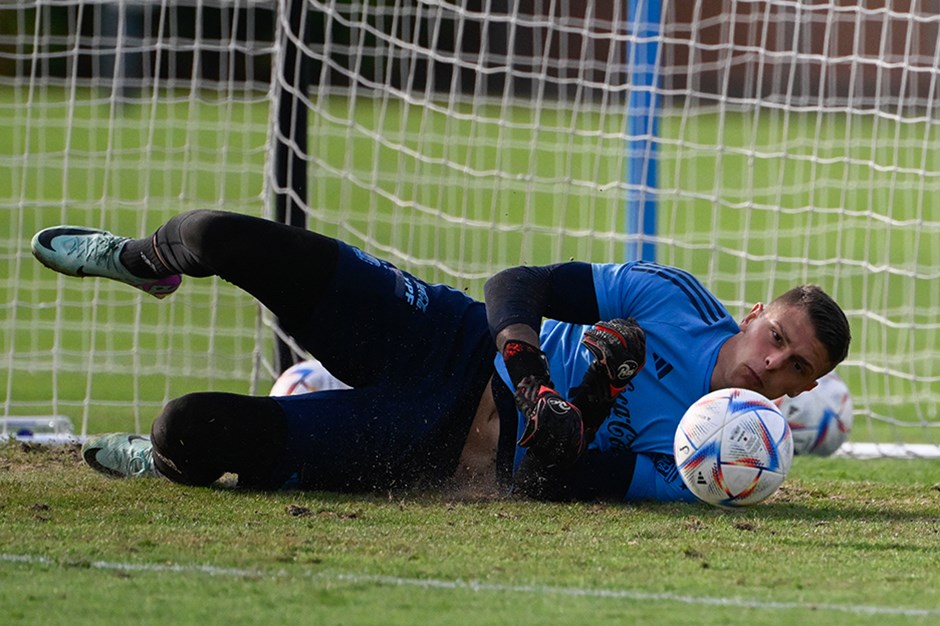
477, 586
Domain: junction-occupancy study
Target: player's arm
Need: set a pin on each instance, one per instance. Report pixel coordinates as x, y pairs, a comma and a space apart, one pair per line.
516, 301
597, 475
619, 350
612, 475
518, 298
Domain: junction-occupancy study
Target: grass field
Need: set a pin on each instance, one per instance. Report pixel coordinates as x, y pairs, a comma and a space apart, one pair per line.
844, 542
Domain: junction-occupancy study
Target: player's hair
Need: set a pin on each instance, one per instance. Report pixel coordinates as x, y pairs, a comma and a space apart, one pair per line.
826, 316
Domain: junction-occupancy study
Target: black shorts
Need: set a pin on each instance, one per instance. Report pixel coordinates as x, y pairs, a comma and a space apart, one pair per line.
418, 357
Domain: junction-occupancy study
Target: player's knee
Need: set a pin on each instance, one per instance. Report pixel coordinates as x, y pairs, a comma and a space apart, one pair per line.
190, 242
203, 231
200, 436
182, 442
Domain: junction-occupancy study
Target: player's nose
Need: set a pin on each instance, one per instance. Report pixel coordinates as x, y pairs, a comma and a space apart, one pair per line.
773, 360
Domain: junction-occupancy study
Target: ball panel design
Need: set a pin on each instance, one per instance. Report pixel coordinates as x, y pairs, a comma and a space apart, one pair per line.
733, 448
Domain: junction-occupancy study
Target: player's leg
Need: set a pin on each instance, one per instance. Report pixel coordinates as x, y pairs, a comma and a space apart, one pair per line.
373, 311
340, 440
200, 436
406, 426
366, 320
196, 439
283, 267
409, 425
377, 438
361, 331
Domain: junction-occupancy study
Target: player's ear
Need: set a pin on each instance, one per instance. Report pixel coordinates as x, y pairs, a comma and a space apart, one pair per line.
756, 310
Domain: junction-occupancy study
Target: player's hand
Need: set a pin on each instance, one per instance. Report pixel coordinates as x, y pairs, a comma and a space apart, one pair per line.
554, 429
619, 349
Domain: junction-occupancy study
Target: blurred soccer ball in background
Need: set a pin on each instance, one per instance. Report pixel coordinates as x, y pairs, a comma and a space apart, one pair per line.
821, 418
305, 377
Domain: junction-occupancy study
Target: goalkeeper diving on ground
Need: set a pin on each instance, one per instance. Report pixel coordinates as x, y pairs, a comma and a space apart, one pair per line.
567, 382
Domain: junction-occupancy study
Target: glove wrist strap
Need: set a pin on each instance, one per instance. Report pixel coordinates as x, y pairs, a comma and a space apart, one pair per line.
524, 360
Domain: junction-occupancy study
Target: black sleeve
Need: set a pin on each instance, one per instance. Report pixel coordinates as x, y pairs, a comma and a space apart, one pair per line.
525, 295
597, 476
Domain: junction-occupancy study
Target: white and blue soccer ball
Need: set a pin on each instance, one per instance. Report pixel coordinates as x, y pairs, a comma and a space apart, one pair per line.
733, 448
305, 377
821, 418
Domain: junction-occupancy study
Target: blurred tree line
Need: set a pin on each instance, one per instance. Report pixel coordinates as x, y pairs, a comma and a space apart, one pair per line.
180, 43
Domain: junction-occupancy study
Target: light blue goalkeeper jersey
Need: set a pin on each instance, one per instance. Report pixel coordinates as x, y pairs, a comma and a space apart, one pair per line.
685, 327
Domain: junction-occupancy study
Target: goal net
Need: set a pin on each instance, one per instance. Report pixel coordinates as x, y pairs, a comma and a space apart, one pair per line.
757, 144
119, 115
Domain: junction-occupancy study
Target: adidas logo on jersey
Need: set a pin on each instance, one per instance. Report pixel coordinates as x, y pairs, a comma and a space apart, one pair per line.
663, 367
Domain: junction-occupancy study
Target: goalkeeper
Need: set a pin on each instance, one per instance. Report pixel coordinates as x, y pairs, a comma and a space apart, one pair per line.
581, 405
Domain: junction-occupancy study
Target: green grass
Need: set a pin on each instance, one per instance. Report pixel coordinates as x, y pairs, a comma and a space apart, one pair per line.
844, 542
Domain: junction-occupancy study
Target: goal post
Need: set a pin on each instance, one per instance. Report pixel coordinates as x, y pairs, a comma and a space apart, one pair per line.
757, 144
288, 169
644, 19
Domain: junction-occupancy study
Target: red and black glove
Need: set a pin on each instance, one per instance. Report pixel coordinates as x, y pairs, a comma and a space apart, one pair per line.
554, 429
619, 350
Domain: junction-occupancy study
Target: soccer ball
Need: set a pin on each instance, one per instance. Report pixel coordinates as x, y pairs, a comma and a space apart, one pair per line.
821, 418
305, 377
733, 448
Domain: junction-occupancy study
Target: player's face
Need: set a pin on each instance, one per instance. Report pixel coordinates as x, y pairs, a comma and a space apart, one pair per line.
776, 353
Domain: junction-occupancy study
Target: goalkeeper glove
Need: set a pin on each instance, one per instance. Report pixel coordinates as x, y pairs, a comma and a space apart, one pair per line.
619, 350
553, 429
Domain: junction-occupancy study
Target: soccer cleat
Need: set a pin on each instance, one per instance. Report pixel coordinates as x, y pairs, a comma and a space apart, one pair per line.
79, 251
121, 455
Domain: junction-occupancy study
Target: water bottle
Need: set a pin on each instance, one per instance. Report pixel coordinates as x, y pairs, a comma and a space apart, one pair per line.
38, 429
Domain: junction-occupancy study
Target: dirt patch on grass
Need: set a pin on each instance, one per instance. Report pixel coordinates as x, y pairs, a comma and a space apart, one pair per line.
20, 457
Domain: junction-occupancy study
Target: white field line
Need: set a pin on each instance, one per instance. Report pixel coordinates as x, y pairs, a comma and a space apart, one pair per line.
889, 450
476, 586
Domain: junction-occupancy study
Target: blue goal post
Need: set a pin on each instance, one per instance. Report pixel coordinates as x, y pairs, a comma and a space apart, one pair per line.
643, 24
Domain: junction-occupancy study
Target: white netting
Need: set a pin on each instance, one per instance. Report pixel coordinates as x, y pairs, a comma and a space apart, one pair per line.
119, 115
793, 142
